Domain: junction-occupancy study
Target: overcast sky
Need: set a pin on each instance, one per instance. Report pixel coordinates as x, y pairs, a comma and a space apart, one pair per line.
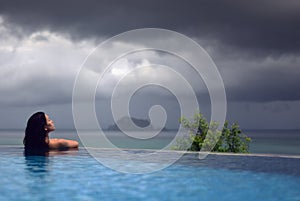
254, 44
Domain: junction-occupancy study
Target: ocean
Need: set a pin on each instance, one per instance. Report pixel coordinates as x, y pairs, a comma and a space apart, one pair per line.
263, 141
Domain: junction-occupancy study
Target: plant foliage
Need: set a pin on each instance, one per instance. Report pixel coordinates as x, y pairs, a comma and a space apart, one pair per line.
207, 137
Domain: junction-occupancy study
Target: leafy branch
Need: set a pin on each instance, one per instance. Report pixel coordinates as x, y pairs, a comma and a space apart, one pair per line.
206, 137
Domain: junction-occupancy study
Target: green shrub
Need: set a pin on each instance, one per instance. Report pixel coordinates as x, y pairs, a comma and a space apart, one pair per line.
206, 137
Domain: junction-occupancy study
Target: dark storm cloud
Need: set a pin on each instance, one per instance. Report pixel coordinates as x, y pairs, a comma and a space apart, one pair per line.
268, 26
261, 79
243, 35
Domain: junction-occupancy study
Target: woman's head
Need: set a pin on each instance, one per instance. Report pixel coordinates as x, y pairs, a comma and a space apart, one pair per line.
37, 129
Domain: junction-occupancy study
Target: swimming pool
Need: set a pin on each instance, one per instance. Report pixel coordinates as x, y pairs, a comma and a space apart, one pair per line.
75, 175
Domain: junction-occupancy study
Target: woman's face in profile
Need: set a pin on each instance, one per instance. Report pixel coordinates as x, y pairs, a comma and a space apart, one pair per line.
50, 125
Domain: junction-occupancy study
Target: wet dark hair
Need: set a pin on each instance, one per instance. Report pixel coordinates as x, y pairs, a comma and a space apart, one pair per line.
35, 134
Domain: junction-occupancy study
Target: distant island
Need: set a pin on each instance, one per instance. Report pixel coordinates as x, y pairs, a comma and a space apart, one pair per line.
125, 122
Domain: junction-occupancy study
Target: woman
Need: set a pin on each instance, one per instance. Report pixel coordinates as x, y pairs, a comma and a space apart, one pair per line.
39, 126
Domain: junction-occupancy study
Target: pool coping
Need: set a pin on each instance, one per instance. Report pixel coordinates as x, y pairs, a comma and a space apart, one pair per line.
183, 152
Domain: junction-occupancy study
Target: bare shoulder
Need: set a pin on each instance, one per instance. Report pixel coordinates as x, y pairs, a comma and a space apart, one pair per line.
62, 144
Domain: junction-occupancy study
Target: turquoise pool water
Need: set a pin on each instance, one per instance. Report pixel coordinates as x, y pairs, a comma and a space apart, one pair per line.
75, 175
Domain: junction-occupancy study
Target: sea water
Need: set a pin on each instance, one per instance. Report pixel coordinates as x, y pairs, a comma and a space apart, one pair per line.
263, 141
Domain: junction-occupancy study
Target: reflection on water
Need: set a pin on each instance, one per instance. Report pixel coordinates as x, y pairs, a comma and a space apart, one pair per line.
37, 161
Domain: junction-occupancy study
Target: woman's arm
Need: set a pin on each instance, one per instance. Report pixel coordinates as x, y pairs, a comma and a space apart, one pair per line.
62, 144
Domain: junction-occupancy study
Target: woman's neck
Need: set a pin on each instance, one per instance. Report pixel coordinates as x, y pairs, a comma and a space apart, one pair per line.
47, 138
